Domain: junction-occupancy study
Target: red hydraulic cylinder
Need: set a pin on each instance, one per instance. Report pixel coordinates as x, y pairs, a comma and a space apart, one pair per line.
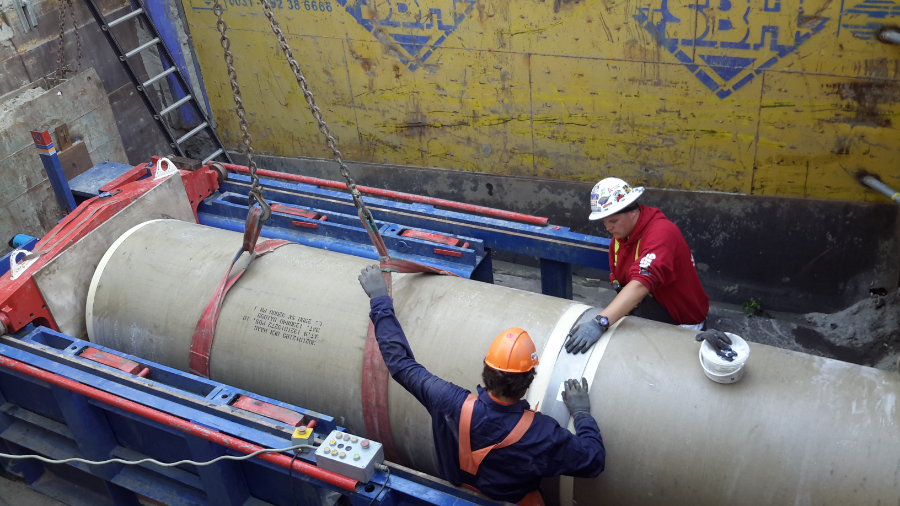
419, 199
180, 424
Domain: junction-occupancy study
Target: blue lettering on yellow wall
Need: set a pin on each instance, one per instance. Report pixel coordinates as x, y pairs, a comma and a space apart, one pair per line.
413, 30
730, 50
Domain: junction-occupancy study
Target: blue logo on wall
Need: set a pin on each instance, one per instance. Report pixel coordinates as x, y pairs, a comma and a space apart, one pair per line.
733, 49
875, 11
410, 30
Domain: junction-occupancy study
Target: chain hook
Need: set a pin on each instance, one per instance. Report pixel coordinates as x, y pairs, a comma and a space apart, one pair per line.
254, 197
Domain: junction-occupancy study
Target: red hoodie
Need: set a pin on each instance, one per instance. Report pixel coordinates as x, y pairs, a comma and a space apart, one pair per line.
657, 255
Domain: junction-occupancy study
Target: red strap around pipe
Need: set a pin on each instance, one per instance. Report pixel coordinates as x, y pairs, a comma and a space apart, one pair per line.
205, 331
487, 211
180, 424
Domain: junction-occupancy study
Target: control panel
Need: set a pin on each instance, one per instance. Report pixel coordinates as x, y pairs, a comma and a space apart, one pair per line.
349, 455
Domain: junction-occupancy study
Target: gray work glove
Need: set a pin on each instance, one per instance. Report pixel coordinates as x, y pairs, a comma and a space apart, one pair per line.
576, 396
583, 336
719, 342
373, 282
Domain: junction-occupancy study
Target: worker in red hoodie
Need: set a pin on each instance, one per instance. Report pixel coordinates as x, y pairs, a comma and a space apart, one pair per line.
651, 265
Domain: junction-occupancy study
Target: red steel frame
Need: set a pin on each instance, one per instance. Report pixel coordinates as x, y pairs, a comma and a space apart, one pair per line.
21, 301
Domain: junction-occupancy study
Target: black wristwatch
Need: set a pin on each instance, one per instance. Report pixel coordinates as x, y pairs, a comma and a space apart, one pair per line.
602, 321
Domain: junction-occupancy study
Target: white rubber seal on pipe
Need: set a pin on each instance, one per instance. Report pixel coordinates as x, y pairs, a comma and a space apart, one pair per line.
550, 353
92, 289
567, 483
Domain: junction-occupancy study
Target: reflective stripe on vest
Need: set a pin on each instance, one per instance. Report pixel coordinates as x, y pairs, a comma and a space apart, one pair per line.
616, 251
470, 461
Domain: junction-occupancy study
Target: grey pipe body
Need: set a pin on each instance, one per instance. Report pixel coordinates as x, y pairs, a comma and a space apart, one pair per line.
796, 429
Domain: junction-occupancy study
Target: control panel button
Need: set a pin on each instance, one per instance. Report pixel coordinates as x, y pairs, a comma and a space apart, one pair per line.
357, 460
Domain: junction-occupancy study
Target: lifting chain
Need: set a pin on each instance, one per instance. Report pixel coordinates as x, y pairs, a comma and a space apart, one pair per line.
365, 214
60, 68
255, 195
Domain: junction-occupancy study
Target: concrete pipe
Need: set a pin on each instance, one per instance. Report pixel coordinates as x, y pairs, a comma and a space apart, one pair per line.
796, 429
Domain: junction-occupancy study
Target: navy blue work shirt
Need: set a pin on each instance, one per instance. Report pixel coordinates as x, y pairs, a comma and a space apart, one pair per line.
507, 474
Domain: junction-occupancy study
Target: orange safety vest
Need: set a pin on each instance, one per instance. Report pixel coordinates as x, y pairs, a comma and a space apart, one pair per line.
470, 461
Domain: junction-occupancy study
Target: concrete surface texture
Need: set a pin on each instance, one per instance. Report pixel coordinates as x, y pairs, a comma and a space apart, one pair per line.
868, 333
26, 56
27, 203
782, 98
14, 492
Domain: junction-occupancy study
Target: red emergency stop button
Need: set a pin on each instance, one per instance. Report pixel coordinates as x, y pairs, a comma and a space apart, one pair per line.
364, 443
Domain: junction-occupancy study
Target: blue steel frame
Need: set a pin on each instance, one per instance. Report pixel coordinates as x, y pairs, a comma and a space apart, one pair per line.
37, 418
557, 247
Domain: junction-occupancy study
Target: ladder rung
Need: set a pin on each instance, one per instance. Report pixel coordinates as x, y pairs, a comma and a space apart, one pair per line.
210, 157
190, 134
125, 18
175, 105
141, 48
159, 76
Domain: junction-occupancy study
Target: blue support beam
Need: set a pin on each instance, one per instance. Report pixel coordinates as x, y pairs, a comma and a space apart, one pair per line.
224, 481
58, 181
556, 278
95, 440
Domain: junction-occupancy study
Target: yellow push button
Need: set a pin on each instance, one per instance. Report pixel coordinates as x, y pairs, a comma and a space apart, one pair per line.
354, 439
334, 452
342, 455
332, 442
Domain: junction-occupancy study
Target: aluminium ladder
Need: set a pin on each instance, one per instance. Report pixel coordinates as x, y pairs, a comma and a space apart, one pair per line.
166, 57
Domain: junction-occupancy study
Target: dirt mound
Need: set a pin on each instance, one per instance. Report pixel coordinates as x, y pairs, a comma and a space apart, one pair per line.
868, 330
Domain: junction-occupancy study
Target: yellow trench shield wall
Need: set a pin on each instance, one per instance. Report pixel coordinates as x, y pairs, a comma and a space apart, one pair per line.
767, 97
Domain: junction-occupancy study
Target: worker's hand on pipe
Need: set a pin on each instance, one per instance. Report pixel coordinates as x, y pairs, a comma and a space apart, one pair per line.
576, 396
583, 336
373, 282
719, 342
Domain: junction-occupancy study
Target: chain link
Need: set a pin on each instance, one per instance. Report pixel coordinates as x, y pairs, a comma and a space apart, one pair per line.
256, 191
317, 113
62, 69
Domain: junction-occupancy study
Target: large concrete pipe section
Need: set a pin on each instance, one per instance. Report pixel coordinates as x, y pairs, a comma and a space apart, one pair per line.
796, 429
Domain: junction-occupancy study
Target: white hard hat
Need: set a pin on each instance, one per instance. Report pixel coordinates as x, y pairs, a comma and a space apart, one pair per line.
610, 196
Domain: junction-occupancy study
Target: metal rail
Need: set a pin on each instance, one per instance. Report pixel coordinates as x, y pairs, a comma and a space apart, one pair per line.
408, 197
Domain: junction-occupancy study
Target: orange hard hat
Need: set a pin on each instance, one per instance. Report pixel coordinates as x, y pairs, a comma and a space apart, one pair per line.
512, 351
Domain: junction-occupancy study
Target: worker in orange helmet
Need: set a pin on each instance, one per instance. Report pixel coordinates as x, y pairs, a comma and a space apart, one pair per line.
491, 442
